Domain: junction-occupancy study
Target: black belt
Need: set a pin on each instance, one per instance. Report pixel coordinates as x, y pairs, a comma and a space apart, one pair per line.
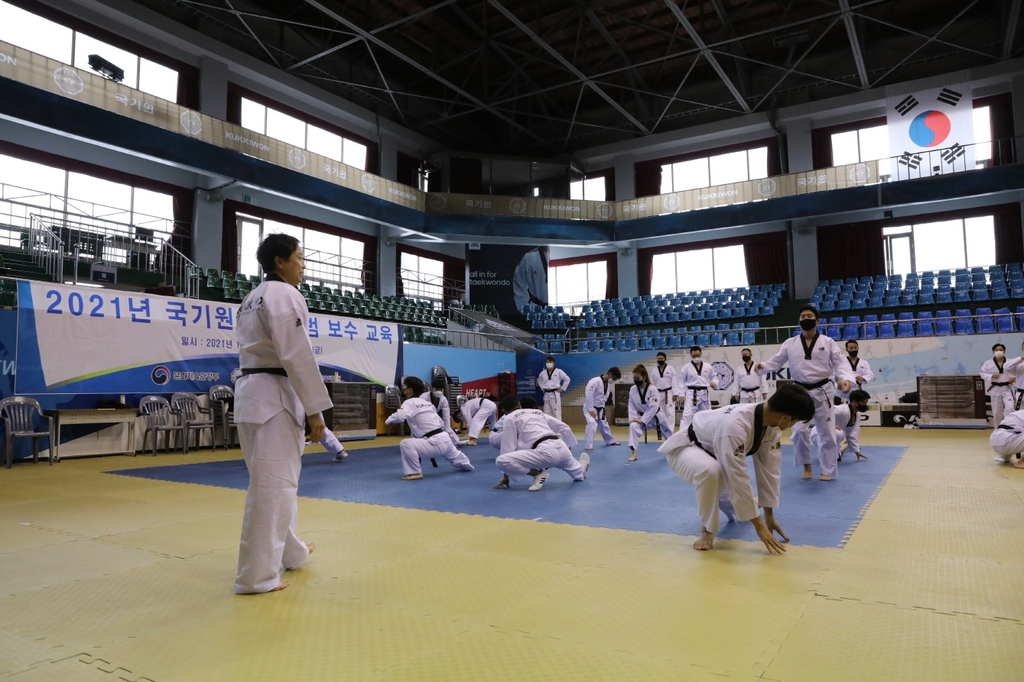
1000, 383
750, 390
693, 439
1008, 428
599, 411
550, 390
696, 388
279, 371
811, 387
541, 440
432, 433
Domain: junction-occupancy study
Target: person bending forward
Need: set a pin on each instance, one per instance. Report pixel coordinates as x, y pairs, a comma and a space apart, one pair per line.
429, 439
531, 443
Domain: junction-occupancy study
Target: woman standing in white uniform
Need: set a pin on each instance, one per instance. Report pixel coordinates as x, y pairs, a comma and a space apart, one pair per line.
644, 409
281, 385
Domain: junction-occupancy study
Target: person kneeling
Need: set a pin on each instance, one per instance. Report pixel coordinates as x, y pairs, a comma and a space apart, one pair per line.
532, 442
1007, 439
712, 454
429, 439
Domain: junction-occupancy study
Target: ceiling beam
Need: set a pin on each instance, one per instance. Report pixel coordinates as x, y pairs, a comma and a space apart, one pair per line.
353, 41
252, 33
736, 48
851, 34
370, 38
631, 73
1011, 28
566, 64
702, 46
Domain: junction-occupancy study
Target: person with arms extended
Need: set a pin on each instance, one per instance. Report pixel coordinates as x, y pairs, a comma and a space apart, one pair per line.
712, 454
813, 360
997, 372
280, 387
429, 439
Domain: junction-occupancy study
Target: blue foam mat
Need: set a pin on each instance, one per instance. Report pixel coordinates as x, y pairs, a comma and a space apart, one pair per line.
643, 496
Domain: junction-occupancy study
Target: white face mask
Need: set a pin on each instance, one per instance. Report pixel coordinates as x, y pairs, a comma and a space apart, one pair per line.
999, 353
439, 394
550, 365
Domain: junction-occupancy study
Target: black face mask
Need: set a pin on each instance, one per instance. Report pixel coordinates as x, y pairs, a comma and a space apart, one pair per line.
746, 358
661, 362
638, 382
852, 353
808, 325
862, 407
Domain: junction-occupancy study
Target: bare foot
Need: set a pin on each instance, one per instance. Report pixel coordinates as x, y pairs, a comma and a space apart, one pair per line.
589, 447
860, 456
283, 585
310, 546
823, 477
632, 458
614, 443
705, 542
807, 474
1019, 464
412, 477
472, 441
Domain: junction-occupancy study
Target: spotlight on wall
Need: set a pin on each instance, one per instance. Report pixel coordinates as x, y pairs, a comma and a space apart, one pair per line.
105, 68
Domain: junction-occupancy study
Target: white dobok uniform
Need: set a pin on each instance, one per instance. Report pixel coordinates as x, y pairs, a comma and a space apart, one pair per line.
530, 280
270, 410
730, 434
1000, 390
748, 385
1008, 437
859, 367
550, 382
664, 378
428, 437
495, 436
530, 440
848, 424
1015, 367
813, 367
595, 398
444, 411
694, 384
476, 413
645, 405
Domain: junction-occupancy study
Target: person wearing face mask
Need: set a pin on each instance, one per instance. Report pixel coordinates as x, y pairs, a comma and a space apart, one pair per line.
813, 360
428, 437
1015, 368
848, 423
665, 379
439, 400
1000, 382
695, 379
712, 455
595, 398
749, 387
644, 409
554, 382
860, 367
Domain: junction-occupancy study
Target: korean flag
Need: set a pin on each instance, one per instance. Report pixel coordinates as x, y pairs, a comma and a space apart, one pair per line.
931, 132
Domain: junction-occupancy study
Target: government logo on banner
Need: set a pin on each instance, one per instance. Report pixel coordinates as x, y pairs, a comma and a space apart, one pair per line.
931, 132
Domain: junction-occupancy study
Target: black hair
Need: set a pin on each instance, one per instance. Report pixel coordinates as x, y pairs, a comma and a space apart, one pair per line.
614, 373
793, 400
550, 358
810, 307
527, 403
743, 349
998, 345
439, 382
695, 348
416, 384
273, 246
859, 396
853, 341
661, 354
509, 404
642, 371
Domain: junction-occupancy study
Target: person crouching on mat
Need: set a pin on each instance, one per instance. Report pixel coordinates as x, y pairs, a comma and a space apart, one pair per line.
712, 454
494, 437
444, 411
1007, 439
644, 409
428, 437
532, 442
847, 418
479, 412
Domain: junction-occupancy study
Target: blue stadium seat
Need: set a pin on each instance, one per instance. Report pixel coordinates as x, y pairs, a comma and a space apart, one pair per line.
943, 325
980, 294
870, 326
659, 342
607, 344
687, 340
716, 339
703, 340
646, 343
964, 322
905, 327
1004, 321
732, 339
926, 299
945, 296
674, 342
986, 323
887, 330
925, 326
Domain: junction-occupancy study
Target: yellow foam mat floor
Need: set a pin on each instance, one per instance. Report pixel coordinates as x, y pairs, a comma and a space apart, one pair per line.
118, 578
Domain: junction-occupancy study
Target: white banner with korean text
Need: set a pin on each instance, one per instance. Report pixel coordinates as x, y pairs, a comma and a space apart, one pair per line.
77, 340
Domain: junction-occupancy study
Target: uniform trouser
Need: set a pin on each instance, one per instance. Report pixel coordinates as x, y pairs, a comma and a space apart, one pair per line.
439, 445
476, 424
695, 466
273, 456
747, 397
331, 442
550, 453
1002, 403
637, 429
452, 436
594, 425
851, 433
696, 401
1006, 443
668, 411
824, 423
1019, 393
553, 404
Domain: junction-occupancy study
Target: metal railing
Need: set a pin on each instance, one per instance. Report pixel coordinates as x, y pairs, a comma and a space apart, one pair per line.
338, 272
458, 338
437, 290
46, 249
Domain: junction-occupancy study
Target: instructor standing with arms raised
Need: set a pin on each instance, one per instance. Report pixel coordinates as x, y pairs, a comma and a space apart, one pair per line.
280, 387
